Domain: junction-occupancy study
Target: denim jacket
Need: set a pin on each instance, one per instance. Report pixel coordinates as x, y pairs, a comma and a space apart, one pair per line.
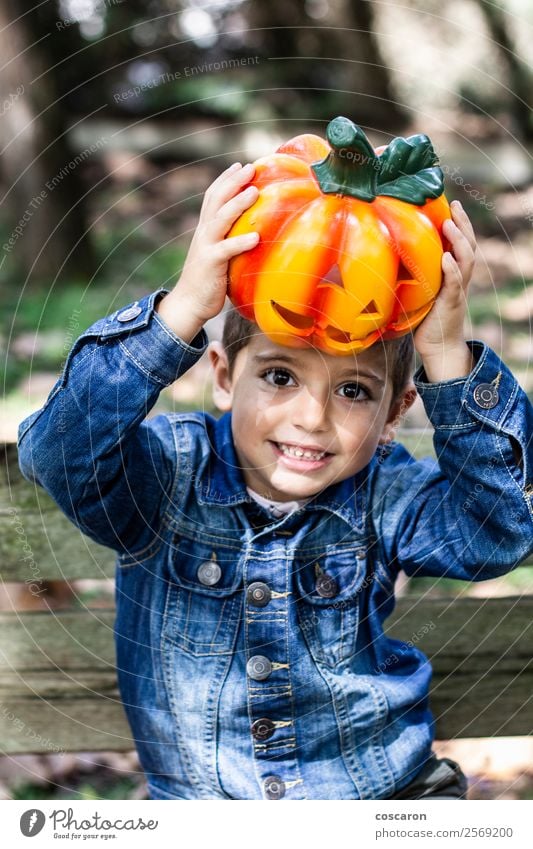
251, 656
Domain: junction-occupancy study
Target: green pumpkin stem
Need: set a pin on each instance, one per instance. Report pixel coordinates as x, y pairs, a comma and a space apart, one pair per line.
351, 167
407, 169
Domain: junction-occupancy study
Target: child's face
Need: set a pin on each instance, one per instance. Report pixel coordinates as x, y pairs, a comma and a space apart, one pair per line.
303, 420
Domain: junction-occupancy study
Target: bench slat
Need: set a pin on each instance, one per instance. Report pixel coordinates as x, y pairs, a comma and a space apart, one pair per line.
480, 651
58, 687
53, 725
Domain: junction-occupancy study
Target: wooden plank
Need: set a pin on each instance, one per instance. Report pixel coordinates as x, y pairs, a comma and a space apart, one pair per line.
49, 725
65, 640
58, 688
480, 651
37, 542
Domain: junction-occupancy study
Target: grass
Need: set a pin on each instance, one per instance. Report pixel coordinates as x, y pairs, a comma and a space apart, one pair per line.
519, 581
100, 787
56, 313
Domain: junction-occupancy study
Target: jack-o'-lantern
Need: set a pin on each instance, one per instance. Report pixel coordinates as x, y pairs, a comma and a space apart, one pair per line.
350, 240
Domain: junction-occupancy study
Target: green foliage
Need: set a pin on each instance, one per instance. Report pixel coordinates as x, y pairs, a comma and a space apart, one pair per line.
130, 267
487, 305
101, 785
519, 580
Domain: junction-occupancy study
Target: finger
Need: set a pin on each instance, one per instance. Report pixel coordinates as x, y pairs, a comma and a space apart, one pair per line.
229, 248
464, 257
232, 169
231, 210
219, 181
453, 277
462, 221
218, 195
461, 247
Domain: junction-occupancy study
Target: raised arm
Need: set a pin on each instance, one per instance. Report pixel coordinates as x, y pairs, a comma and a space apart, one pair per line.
468, 515
89, 446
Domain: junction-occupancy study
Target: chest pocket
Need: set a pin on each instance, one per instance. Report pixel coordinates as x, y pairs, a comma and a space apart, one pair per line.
204, 597
328, 593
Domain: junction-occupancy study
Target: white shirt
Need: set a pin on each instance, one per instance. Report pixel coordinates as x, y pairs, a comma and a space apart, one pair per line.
277, 508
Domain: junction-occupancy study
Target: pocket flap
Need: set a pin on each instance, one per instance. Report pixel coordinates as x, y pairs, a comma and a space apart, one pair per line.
203, 568
338, 575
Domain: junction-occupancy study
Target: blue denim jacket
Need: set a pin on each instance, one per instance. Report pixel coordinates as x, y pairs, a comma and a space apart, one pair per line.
278, 691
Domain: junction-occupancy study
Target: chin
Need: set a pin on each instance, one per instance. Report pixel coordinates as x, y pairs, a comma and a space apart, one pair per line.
295, 490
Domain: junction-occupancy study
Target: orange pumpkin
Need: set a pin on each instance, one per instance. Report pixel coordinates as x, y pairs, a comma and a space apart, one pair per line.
350, 240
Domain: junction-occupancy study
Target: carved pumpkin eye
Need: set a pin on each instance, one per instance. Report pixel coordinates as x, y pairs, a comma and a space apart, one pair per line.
371, 309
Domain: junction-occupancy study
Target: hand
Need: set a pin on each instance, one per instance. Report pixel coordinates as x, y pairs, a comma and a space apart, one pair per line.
439, 338
201, 289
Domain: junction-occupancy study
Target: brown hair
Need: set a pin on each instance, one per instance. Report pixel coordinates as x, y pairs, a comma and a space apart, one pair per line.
399, 353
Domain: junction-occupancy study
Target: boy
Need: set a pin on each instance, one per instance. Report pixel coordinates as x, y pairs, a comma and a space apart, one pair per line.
257, 554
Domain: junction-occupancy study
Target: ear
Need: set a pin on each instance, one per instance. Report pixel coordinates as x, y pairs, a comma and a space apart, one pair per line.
397, 410
222, 383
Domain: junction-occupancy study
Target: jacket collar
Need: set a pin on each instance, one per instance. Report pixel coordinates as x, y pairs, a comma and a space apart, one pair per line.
223, 483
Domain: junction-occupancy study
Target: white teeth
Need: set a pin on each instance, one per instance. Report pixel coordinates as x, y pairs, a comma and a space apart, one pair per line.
293, 451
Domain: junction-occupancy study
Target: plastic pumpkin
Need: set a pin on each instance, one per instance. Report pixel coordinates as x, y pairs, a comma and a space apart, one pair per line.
350, 240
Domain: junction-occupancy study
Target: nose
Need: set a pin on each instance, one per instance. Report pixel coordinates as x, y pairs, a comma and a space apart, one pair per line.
310, 411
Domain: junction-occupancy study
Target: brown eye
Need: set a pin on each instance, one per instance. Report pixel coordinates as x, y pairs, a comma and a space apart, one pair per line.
278, 377
351, 391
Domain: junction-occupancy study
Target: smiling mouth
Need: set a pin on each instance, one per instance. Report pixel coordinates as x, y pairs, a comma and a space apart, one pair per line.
301, 453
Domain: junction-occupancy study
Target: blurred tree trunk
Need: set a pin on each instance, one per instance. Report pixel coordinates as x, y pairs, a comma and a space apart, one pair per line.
520, 77
328, 64
34, 151
370, 74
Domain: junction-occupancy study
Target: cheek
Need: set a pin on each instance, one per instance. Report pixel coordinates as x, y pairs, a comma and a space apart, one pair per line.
361, 431
263, 407
253, 411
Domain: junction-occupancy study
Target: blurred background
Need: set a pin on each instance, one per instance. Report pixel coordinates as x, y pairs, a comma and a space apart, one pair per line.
115, 115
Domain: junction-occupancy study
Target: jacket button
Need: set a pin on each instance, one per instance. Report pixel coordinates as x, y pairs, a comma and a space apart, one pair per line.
259, 667
274, 787
258, 594
262, 729
486, 396
130, 313
209, 573
326, 586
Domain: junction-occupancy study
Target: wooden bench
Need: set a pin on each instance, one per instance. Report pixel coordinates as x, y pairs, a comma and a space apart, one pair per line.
58, 689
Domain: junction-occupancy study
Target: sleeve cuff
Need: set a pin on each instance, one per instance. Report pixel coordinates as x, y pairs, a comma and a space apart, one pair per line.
485, 395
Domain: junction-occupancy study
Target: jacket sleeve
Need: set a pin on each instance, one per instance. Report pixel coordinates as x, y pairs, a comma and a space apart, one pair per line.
468, 514
90, 447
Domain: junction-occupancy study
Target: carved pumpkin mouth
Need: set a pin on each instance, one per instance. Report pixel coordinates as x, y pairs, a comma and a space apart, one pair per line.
405, 320
337, 335
306, 323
